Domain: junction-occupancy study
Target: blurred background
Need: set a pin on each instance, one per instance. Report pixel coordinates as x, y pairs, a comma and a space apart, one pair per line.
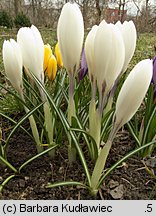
45, 13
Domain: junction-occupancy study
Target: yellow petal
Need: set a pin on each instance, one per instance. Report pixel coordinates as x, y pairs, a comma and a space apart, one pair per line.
47, 55
51, 68
58, 55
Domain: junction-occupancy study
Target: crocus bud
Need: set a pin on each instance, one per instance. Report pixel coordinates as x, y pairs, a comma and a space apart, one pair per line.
51, 68
109, 55
133, 91
154, 77
32, 48
70, 33
154, 71
12, 59
58, 56
129, 35
47, 54
83, 66
89, 51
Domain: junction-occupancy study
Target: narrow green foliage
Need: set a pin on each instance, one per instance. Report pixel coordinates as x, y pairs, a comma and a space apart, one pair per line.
142, 126
36, 156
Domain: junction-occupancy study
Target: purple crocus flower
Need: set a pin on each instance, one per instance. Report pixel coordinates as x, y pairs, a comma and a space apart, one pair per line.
154, 71
154, 76
83, 66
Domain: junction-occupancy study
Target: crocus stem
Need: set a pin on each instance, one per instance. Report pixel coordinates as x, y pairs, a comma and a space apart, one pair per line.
33, 127
98, 118
35, 134
71, 113
96, 128
1, 146
92, 116
48, 122
141, 132
101, 161
111, 95
71, 104
99, 166
92, 111
95, 116
109, 104
49, 127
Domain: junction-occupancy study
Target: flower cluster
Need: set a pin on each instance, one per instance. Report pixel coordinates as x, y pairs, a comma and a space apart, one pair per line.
30, 53
51, 61
108, 50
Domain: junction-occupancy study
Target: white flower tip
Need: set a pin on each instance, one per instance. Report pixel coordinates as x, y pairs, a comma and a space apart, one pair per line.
133, 91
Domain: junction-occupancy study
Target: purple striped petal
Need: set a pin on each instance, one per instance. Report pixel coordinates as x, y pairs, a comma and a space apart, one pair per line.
154, 77
83, 66
154, 71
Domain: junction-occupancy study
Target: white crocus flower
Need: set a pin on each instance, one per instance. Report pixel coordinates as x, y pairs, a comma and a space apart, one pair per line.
32, 49
70, 33
12, 59
129, 35
133, 91
109, 55
89, 51
130, 98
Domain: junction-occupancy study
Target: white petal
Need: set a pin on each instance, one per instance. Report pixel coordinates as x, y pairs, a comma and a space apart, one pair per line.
119, 25
70, 33
18, 53
39, 41
30, 48
118, 57
133, 91
129, 34
103, 52
89, 51
12, 65
109, 55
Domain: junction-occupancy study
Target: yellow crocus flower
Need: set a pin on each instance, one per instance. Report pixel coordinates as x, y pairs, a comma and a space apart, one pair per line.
58, 55
51, 68
47, 55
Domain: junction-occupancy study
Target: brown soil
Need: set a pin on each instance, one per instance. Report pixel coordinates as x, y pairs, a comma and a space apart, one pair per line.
129, 181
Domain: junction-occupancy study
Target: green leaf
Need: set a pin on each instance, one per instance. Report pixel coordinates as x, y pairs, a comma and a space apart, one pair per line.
21, 121
66, 127
123, 159
5, 182
13, 121
33, 91
132, 131
8, 164
14, 94
36, 156
150, 127
106, 123
87, 141
66, 183
149, 104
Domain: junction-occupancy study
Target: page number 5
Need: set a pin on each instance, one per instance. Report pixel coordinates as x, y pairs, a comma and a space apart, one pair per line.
149, 208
